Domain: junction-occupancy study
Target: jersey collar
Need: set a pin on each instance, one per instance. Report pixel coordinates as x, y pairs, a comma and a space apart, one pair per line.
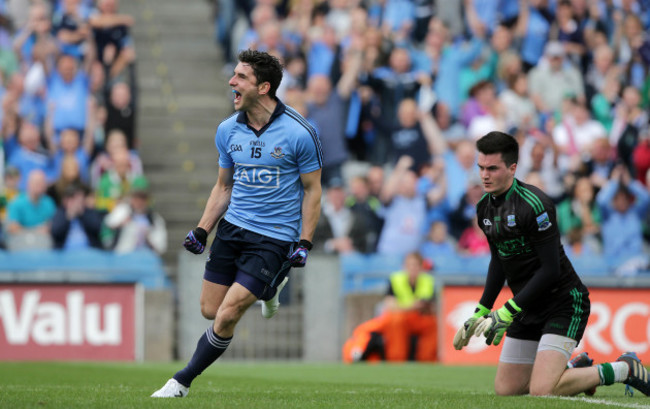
505, 196
279, 110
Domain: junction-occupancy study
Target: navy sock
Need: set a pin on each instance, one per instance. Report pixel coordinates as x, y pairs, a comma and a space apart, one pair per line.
208, 349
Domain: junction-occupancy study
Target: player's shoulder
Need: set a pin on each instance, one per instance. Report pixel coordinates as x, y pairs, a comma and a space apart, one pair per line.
297, 122
483, 201
228, 122
531, 196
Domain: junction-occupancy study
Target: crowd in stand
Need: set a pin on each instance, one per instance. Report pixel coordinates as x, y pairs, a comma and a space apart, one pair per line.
399, 90
70, 174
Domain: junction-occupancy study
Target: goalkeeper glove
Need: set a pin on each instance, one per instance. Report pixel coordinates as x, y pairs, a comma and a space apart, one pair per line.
195, 240
299, 256
465, 332
497, 322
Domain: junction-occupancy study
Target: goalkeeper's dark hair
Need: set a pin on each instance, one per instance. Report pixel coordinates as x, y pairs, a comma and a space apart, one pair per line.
266, 68
499, 142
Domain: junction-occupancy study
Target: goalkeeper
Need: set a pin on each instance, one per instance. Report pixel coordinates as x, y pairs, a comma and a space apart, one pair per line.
547, 316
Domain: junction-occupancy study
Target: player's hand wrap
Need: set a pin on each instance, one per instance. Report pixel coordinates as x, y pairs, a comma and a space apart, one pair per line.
299, 256
195, 240
465, 332
497, 322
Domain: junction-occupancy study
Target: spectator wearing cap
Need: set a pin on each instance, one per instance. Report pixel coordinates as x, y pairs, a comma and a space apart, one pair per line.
552, 81
133, 223
75, 226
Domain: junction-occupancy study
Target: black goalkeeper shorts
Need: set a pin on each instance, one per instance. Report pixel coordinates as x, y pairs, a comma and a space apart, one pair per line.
564, 315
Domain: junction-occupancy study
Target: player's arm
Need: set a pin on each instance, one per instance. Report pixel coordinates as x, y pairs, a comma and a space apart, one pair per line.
495, 280
310, 214
498, 321
493, 285
310, 203
217, 204
218, 200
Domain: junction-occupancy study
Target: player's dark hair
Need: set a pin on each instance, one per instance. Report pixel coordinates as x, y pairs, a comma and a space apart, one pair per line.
266, 68
499, 142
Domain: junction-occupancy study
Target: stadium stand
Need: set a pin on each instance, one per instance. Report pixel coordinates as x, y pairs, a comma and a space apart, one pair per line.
67, 82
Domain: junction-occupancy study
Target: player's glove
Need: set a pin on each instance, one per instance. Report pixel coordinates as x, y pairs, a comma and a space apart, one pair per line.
497, 322
465, 332
299, 256
195, 240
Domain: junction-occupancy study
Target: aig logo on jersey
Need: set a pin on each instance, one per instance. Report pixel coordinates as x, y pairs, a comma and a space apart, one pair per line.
543, 222
260, 176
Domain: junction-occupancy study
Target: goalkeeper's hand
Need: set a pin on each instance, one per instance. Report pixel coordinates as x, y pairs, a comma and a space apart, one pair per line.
465, 332
195, 240
497, 322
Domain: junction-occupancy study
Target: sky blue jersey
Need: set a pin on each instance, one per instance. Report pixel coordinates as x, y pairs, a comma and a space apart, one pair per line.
267, 192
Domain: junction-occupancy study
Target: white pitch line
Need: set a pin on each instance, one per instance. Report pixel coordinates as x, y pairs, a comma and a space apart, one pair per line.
600, 402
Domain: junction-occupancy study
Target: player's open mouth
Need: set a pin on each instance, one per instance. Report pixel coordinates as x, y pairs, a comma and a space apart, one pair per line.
237, 95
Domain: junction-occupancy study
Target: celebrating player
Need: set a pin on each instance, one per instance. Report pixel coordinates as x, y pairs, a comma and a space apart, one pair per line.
548, 314
269, 188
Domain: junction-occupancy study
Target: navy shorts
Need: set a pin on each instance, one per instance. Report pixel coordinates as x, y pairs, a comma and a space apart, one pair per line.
257, 262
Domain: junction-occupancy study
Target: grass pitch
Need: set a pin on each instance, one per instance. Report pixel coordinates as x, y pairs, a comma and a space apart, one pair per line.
276, 385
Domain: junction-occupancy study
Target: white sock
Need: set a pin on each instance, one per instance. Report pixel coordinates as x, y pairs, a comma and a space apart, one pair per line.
621, 371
